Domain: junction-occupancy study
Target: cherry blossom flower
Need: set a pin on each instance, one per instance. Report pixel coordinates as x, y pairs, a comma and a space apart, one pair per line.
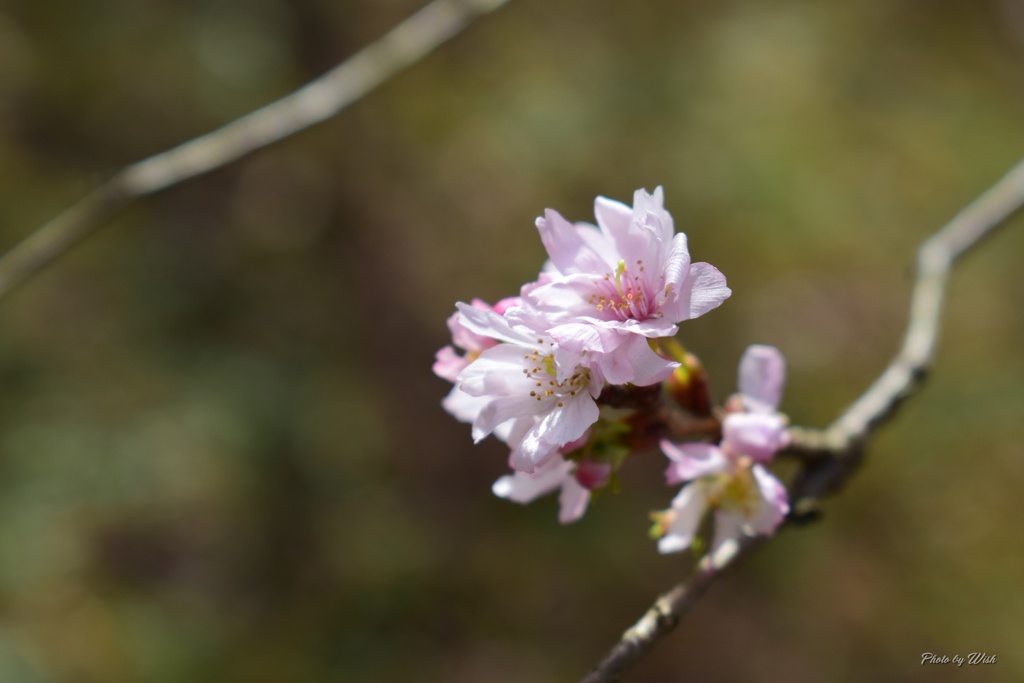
729, 478
541, 393
621, 282
574, 480
745, 498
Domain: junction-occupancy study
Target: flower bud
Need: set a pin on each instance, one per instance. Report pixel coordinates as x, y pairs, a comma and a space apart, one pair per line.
593, 475
688, 386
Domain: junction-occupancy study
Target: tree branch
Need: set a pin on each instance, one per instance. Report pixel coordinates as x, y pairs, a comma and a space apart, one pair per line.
935, 258
315, 102
666, 612
833, 454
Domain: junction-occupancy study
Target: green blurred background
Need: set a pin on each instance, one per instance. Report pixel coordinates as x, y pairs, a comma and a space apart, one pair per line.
222, 453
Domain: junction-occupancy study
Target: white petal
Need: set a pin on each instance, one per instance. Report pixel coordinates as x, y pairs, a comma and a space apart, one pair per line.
500, 410
490, 324
462, 406
673, 543
728, 526
513, 431
776, 503
559, 426
568, 422
498, 371
688, 508
573, 501
531, 451
521, 487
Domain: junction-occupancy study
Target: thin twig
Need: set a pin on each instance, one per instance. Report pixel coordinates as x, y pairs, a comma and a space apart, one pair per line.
665, 614
838, 449
315, 102
935, 258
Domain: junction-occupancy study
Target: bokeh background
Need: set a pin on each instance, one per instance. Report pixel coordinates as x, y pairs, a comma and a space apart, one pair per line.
222, 453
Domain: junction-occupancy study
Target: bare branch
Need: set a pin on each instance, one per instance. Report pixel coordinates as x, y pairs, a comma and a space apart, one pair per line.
665, 614
315, 102
935, 257
833, 454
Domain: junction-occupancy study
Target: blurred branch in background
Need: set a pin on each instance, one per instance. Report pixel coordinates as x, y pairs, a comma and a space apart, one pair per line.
830, 456
319, 100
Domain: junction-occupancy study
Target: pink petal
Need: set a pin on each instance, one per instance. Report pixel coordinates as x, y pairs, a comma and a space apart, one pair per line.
448, 364
548, 272
646, 366
465, 339
565, 299
591, 474
580, 337
692, 461
633, 239
612, 217
762, 377
568, 251
598, 241
506, 303
759, 435
702, 290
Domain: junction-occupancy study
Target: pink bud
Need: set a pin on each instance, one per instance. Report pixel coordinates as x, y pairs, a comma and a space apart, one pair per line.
593, 475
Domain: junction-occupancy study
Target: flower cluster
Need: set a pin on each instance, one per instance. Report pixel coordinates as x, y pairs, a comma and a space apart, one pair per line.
531, 369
